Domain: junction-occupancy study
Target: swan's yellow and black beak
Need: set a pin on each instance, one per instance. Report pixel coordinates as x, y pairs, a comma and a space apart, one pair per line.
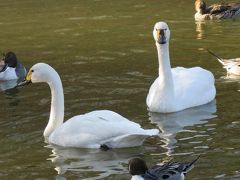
27, 79
161, 36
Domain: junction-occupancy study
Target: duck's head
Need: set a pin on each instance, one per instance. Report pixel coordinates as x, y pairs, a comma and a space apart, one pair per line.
161, 33
39, 72
200, 6
10, 59
137, 166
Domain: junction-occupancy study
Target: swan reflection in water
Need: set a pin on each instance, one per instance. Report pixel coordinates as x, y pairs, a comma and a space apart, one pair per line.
91, 163
172, 123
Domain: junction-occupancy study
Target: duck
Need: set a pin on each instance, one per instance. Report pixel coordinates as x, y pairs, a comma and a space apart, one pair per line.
216, 11
168, 171
11, 68
231, 65
97, 129
179, 88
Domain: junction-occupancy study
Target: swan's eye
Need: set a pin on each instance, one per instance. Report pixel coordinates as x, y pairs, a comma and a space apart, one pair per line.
32, 70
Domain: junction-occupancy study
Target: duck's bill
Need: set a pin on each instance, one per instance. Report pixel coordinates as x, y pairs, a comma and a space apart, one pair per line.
25, 82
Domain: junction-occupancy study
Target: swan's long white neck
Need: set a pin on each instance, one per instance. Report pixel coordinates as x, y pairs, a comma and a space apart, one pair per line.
164, 71
57, 103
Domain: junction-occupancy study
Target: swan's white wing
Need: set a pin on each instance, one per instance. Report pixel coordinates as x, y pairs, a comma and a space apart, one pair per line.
154, 93
193, 86
93, 129
128, 140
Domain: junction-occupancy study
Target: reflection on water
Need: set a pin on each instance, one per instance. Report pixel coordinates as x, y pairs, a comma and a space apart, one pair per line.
4, 85
173, 123
94, 162
231, 78
200, 29
12, 95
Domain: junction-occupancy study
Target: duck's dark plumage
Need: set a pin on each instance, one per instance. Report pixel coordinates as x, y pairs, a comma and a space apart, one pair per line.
216, 11
169, 171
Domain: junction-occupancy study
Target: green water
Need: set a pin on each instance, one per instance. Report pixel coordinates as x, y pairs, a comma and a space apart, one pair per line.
105, 54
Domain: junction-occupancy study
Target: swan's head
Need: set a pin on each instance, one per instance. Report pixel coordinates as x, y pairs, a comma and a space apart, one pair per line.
161, 33
39, 72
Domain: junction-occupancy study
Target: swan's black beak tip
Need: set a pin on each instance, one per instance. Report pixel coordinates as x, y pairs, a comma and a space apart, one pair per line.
162, 41
23, 83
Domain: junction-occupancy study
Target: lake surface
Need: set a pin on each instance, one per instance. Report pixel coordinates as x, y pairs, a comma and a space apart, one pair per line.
105, 54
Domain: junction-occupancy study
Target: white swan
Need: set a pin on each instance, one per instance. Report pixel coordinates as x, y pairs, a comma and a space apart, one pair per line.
231, 65
11, 68
216, 11
95, 129
178, 88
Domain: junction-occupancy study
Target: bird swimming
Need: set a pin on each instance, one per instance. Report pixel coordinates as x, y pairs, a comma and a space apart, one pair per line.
96, 129
11, 68
216, 11
231, 65
168, 171
178, 88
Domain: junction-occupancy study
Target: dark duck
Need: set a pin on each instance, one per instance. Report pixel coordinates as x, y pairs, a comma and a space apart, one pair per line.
168, 171
216, 11
11, 68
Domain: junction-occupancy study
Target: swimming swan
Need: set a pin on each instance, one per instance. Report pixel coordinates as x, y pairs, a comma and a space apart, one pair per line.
231, 65
95, 129
178, 88
216, 11
11, 68
168, 171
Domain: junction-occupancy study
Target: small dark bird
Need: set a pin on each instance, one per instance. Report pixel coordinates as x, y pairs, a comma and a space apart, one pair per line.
11, 68
168, 171
231, 65
216, 11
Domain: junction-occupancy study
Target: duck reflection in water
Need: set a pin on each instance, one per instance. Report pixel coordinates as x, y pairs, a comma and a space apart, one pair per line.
172, 123
91, 162
4, 85
200, 26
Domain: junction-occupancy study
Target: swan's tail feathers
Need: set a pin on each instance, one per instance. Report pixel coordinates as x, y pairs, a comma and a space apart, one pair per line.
190, 165
218, 58
152, 132
105, 147
128, 140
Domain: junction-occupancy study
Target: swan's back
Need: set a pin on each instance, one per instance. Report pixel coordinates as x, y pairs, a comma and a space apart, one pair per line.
93, 129
193, 86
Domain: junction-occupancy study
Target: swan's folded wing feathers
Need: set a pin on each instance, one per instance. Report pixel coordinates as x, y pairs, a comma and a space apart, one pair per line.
107, 115
96, 127
128, 140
